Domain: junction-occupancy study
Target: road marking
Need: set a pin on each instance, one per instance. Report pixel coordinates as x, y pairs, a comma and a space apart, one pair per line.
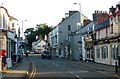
71, 72
32, 75
56, 65
77, 76
34, 72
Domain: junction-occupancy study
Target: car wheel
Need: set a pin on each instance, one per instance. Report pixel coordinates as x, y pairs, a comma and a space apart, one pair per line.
49, 57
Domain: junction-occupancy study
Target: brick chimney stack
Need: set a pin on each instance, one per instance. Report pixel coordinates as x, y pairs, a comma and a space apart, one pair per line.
99, 16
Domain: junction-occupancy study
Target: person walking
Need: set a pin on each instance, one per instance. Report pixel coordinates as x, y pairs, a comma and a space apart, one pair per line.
4, 62
26, 54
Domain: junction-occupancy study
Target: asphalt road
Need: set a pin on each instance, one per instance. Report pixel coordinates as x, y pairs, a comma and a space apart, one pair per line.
57, 69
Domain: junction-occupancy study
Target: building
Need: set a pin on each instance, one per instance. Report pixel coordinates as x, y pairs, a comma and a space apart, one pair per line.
87, 42
61, 31
4, 26
107, 34
39, 46
59, 36
8, 35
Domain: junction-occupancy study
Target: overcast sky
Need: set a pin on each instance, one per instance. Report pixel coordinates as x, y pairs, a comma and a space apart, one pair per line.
52, 11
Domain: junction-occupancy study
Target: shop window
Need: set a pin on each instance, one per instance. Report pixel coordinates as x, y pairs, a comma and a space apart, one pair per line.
114, 52
107, 51
98, 53
104, 53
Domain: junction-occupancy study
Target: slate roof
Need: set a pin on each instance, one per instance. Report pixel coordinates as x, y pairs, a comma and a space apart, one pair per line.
118, 5
102, 24
87, 28
112, 10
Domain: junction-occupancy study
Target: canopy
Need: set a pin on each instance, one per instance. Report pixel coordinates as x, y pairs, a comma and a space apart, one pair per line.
2, 52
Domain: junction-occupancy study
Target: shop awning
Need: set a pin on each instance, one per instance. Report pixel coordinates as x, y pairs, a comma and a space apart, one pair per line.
2, 52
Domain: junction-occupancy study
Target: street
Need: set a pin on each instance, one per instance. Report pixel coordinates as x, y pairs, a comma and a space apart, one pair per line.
57, 69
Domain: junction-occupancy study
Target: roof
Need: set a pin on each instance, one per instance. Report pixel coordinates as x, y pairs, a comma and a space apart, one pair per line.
5, 10
87, 28
102, 24
112, 10
11, 17
118, 5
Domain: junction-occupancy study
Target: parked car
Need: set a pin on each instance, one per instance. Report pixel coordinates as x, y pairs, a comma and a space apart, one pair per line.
46, 54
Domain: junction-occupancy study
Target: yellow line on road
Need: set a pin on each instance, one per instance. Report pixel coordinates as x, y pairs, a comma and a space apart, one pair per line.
32, 75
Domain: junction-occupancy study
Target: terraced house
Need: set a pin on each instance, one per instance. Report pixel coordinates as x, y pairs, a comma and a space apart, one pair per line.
107, 42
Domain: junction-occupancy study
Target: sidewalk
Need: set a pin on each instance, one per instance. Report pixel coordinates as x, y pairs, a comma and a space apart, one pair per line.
19, 71
94, 66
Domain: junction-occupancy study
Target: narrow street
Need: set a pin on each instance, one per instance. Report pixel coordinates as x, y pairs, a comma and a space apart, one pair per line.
55, 69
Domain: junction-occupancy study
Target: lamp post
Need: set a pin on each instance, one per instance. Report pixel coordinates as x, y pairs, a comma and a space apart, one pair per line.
22, 27
79, 9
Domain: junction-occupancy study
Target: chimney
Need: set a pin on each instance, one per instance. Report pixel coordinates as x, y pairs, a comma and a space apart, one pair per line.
72, 12
99, 16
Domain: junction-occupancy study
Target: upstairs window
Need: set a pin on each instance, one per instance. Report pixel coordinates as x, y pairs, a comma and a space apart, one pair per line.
98, 34
111, 29
106, 32
4, 21
69, 28
118, 18
0, 21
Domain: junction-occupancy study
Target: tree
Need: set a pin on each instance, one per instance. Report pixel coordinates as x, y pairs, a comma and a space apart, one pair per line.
43, 29
30, 36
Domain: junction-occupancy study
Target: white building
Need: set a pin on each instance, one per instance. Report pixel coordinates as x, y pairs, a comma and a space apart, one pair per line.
60, 34
39, 46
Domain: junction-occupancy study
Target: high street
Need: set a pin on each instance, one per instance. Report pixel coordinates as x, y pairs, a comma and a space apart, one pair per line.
56, 68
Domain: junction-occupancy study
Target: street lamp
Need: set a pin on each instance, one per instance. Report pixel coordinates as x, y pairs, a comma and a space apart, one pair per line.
22, 27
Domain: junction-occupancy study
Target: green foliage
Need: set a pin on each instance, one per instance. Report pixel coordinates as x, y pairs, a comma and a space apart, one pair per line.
31, 33
43, 30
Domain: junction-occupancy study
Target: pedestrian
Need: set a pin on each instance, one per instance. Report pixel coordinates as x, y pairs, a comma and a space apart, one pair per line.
27, 55
3, 62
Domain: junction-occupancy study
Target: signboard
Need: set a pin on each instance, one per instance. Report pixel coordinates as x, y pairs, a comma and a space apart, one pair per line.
9, 62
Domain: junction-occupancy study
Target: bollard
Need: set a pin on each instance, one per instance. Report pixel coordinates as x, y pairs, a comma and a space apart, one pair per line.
116, 67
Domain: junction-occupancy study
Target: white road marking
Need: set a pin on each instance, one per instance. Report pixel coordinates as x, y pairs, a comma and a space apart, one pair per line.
71, 72
77, 76
56, 65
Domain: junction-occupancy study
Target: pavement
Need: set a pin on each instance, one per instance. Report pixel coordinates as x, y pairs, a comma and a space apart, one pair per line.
19, 71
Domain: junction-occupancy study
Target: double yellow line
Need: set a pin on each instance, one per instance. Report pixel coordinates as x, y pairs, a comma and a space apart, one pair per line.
32, 75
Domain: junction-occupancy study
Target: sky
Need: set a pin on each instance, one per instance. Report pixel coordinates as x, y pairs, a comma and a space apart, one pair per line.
52, 11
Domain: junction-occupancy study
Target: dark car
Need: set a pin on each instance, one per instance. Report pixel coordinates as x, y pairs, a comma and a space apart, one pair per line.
46, 54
